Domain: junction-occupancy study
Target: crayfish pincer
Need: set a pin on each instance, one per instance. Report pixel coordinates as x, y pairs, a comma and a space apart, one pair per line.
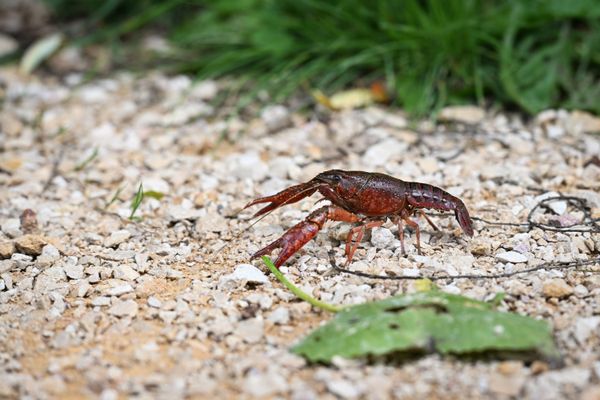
359, 197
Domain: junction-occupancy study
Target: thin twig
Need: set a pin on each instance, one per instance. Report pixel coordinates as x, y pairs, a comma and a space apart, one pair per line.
54, 172
544, 266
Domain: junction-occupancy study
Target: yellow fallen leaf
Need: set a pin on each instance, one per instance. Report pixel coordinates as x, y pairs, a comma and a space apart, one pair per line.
424, 285
353, 98
40, 51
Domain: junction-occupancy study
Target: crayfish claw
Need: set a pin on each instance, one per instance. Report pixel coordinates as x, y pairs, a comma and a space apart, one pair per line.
286, 196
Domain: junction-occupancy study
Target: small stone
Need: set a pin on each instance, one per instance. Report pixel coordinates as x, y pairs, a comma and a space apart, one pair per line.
582, 121
74, 271
507, 385
538, 367
51, 252
101, 301
83, 288
343, 388
126, 308
511, 257
384, 151
275, 117
167, 316
480, 247
248, 273
510, 367
558, 206
249, 165
204, 90
174, 274
465, 114
120, 290
381, 237
92, 238
580, 291
179, 213
21, 261
556, 288
265, 302
8, 280
30, 244
220, 326
6, 250
251, 330
12, 227
154, 302
339, 232
125, 272
280, 316
116, 238
28, 220
94, 277
584, 327
264, 385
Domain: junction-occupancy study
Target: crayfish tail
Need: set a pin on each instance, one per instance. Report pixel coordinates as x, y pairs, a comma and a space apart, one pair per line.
463, 218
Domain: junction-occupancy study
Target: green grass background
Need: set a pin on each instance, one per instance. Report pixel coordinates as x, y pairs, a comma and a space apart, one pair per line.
529, 54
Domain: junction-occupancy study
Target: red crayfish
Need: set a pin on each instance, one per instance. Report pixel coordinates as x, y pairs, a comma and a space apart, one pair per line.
363, 197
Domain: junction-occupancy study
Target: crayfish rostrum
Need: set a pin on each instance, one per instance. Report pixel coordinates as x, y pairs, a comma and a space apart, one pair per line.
359, 197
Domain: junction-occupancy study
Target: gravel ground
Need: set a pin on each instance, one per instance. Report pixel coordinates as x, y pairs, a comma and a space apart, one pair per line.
95, 305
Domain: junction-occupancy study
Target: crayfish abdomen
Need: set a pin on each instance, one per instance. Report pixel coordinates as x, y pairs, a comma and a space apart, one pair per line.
357, 196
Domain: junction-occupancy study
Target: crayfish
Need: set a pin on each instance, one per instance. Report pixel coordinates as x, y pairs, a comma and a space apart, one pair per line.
359, 197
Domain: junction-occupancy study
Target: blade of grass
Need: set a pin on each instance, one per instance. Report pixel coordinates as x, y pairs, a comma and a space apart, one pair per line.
297, 291
114, 198
137, 201
87, 161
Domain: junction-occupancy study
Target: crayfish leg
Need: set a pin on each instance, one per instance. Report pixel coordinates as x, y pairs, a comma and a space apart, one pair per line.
301, 233
351, 245
422, 213
405, 216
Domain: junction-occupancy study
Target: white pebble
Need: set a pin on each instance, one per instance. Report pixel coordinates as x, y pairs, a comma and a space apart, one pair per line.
120, 290
275, 117
343, 388
12, 227
381, 237
101, 301
154, 302
124, 308
280, 316
384, 151
247, 272
584, 327
51, 252
116, 238
512, 257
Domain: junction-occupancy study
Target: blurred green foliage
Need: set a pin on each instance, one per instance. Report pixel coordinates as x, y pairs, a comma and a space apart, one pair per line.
530, 54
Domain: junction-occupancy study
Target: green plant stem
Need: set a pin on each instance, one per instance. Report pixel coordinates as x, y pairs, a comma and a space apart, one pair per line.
299, 293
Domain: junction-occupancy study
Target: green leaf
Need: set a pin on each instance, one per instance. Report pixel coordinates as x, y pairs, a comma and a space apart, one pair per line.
424, 322
39, 51
154, 194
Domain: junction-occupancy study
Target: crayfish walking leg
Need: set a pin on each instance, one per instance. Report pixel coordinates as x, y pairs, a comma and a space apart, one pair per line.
301, 233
